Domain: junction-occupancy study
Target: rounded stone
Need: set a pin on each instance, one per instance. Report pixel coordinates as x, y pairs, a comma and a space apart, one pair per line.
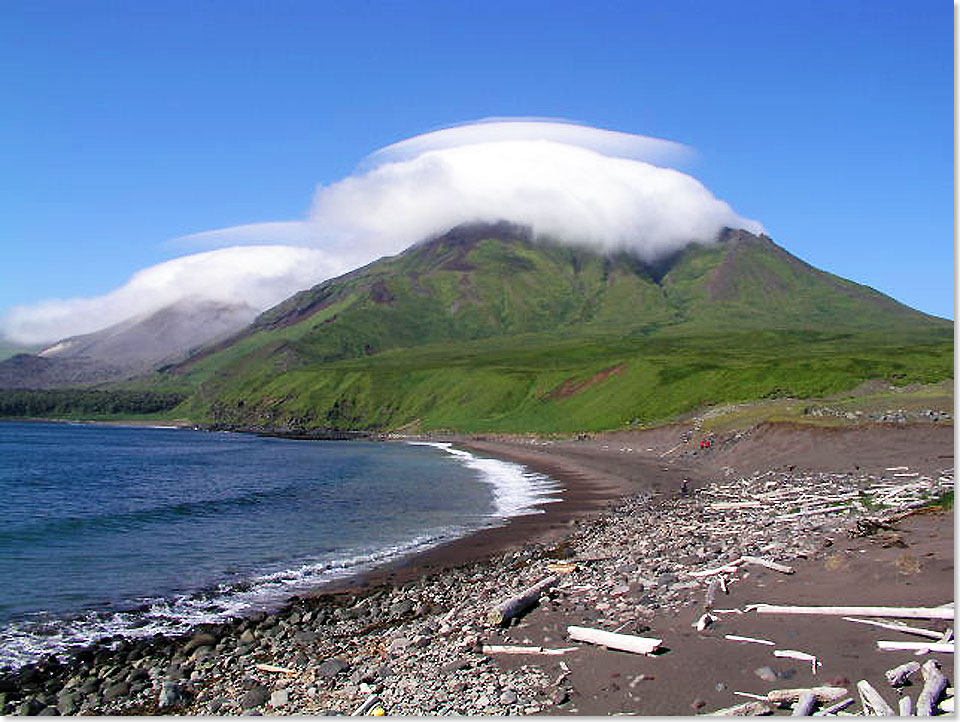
255, 697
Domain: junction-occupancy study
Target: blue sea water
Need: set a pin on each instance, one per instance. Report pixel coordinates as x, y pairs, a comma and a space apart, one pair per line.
133, 531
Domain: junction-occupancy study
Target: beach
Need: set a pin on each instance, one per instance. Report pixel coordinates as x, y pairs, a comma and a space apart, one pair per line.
638, 522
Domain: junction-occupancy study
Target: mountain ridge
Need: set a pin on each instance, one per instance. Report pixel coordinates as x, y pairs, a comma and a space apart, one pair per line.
490, 297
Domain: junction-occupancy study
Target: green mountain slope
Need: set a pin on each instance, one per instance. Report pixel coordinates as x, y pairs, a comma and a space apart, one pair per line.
482, 329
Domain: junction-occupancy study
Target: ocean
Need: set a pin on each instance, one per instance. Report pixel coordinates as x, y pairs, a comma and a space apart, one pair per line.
133, 531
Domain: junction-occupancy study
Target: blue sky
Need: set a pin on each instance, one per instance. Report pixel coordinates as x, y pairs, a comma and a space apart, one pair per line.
126, 125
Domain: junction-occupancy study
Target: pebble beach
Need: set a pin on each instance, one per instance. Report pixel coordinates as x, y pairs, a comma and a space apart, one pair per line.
633, 549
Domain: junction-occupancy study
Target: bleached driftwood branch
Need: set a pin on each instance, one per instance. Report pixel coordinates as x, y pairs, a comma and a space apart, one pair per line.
623, 642
789, 696
746, 709
887, 646
804, 706
934, 685
834, 708
897, 677
517, 649
738, 638
802, 656
782, 568
905, 612
517, 605
898, 627
872, 701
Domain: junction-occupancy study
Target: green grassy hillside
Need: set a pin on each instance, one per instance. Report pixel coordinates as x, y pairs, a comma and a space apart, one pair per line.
483, 330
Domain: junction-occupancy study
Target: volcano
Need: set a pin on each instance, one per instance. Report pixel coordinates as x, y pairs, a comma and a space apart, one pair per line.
488, 327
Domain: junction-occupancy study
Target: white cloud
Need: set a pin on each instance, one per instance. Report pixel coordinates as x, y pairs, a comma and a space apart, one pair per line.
608, 142
572, 182
568, 192
259, 276
579, 184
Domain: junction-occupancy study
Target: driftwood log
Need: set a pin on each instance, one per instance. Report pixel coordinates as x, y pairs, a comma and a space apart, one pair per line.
622, 642
872, 702
782, 568
835, 707
802, 656
898, 627
906, 706
517, 605
518, 649
905, 612
804, 706
888, 646
754, 640
747, 709
789, 696
897, 677
934, 685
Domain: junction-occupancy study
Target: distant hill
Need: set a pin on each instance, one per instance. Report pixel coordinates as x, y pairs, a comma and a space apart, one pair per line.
483, 328
128, 349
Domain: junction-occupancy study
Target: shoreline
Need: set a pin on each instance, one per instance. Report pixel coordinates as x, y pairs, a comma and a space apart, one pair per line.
576, 500
584, 493
603, 475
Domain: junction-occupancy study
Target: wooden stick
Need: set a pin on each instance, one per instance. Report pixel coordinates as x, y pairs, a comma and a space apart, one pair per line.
783, 568
517, 649
274, 668
738, 638
905, 612
897, 677
898, 627
725, 569
872, 701
934, 685
802, 656
804, 706
747, 709
886, 646
789, 696
517, 605
623, 642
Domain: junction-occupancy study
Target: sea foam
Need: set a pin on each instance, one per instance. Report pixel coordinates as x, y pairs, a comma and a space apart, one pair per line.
516, 489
